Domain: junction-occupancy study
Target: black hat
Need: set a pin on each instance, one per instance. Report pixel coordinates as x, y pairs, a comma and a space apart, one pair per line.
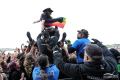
94, 51
116, 53
83, 31
47, 9
45, 34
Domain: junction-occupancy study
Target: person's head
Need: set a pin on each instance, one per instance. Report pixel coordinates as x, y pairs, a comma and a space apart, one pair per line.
93, 53
116, 53
3, 53
9, 53
82, 34
43, 64
29, 60
25, 47
73, 58
45, 35
14, 56
1, 70
14, 65
43, 61
48, 11
4, 64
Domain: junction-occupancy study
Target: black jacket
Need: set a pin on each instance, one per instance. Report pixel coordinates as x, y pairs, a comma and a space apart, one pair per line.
43, 48
90, 70
14, 75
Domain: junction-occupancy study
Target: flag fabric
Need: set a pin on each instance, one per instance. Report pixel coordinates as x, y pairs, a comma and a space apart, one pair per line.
59, 22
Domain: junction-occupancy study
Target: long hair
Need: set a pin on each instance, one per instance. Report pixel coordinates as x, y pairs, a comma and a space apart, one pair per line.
47, 14
29, 59
29, 64
42, 62
12, 66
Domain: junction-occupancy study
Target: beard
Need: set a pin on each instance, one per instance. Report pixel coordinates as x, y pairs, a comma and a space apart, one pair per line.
78, 38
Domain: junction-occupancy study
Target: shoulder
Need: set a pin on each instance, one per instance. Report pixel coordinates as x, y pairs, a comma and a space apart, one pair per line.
54, 67
44, 17
36, 70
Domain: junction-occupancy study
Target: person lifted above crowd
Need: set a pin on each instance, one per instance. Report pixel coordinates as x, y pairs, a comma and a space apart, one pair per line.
46, 15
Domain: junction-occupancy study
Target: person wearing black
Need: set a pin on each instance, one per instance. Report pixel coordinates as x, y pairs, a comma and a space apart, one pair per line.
116, 53
99, 64
46, 43
46, 15
14, 71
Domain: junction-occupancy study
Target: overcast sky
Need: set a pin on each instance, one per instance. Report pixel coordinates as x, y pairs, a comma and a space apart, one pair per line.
100, 17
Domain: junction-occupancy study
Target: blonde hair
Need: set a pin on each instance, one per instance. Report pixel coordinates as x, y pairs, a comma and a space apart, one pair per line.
29, 59
29, 64
43, 74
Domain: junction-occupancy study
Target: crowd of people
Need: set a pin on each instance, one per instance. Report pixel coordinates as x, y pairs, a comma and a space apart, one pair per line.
47, 58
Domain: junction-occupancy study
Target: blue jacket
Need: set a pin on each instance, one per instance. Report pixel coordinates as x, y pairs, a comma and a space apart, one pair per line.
52, 73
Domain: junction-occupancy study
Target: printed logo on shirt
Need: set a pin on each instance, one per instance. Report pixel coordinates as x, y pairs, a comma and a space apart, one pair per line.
87, 43
109, 76
49, 74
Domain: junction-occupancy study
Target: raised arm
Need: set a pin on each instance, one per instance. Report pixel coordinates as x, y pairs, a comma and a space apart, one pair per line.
66, 68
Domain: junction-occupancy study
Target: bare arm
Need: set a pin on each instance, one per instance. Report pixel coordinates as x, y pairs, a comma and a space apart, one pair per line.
36, 21
42, 25
1, 77
22, 48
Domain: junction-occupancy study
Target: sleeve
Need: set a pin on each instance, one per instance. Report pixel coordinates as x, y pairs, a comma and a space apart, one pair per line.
57, 34
108, 56
71, 50
39, 36
54, 40
76, 44
66, 68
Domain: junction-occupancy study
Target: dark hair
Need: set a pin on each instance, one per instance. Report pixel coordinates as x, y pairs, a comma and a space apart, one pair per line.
42, 62
2, 63
47, 15
97, 58
12, 66
85, 32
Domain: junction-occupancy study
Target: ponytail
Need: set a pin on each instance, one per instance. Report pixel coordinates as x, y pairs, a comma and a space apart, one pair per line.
43, 74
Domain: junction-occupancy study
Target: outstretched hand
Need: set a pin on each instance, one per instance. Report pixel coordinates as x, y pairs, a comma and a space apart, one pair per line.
97, 42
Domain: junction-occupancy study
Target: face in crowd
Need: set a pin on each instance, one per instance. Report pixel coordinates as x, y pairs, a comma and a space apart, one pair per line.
80, 35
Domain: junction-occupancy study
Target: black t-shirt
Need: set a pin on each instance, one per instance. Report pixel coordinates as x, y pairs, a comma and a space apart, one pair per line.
45, 17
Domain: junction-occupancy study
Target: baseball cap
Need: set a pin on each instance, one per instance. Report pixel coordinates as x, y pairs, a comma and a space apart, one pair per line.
116, 53
94, 51
83, 31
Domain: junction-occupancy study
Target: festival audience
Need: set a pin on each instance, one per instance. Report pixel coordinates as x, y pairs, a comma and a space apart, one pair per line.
49, 59
30, 65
